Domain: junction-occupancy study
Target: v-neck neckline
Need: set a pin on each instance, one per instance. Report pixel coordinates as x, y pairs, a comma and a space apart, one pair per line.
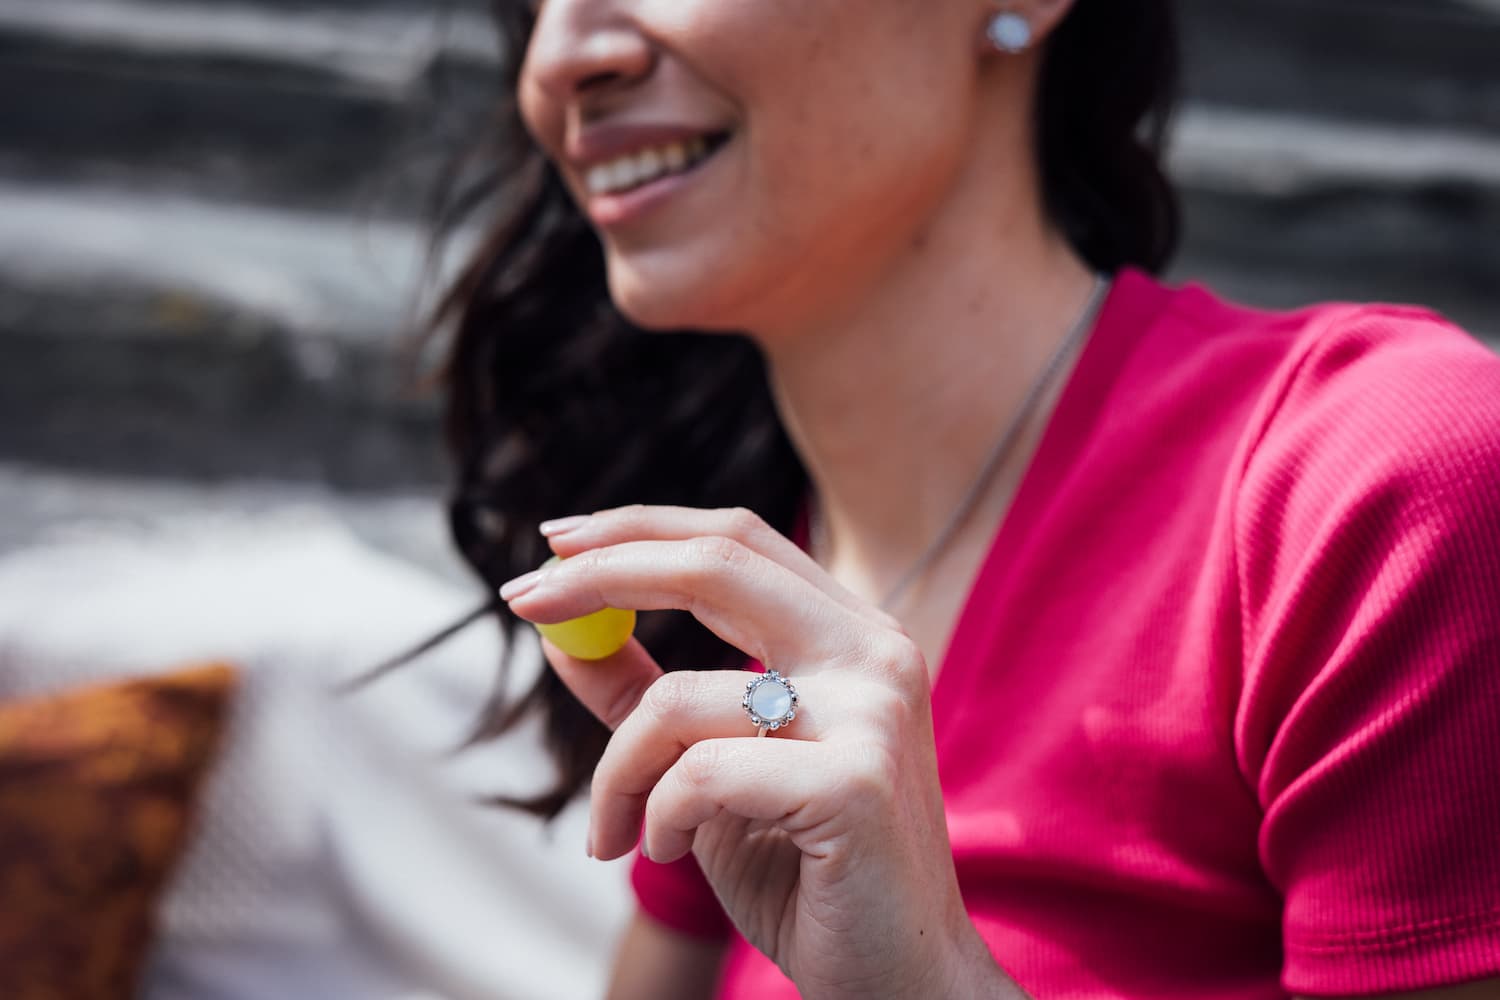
1133, 302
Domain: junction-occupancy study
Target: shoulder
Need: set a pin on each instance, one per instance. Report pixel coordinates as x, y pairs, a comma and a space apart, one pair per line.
1376, 401
1362, 443
1298, 347
1369, 481
1292, 390
1338, 391
1386, 374
1239, 367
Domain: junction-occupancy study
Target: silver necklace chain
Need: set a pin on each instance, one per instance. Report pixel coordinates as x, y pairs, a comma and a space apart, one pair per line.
1081, 326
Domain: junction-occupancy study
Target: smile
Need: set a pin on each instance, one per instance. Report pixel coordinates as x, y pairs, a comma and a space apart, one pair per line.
641, 167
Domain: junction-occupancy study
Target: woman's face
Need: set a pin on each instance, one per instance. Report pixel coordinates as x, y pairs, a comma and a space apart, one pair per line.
750, 164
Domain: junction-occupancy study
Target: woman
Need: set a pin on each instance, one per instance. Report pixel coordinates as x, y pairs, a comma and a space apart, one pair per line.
1140, 640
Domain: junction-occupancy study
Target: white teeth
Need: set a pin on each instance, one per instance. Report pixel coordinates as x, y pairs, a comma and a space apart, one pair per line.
646, 165
623, 174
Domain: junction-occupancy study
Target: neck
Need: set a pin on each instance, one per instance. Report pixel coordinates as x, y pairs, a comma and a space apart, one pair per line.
898, 396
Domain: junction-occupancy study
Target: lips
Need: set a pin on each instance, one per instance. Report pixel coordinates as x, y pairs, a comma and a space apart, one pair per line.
601, 143
623, 169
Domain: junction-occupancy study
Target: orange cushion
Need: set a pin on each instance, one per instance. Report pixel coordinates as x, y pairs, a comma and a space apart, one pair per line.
97, 787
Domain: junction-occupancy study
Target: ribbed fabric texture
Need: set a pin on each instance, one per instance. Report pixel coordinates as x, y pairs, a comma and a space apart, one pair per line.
1221, 717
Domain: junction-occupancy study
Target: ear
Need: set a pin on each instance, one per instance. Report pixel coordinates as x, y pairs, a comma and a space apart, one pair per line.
1041, 16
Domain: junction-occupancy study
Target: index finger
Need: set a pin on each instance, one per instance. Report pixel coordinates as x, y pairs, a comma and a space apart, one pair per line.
753, 603
640, 522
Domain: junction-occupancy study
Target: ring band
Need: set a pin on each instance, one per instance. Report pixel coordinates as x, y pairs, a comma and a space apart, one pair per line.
770, 701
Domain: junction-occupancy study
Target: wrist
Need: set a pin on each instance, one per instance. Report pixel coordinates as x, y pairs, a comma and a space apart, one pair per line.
972, 973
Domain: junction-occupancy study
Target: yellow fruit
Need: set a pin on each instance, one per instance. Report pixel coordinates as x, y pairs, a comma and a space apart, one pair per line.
592, 637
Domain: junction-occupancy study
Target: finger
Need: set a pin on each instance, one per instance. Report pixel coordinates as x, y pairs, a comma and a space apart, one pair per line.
640, 522
788, 783
679, 710
749, 601
610, 688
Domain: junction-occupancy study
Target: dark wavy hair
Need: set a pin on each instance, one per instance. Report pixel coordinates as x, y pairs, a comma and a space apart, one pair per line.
556, 404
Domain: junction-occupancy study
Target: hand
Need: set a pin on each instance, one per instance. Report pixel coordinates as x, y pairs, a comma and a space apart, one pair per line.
827, 840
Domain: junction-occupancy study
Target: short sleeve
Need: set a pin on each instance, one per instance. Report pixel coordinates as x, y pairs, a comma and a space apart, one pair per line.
1367, 539
677, 896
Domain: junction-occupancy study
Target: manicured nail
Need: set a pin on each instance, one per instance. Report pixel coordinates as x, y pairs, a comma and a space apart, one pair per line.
563, 525
521, 585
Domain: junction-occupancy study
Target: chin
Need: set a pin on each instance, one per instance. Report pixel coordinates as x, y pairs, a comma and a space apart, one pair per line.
669, 299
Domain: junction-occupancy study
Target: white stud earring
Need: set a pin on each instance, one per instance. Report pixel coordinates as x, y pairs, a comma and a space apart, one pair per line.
1009, 32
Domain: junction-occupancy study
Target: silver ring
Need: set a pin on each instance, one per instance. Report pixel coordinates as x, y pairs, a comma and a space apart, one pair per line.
770, 701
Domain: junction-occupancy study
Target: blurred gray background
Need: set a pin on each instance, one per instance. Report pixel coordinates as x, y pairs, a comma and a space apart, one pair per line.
213, 225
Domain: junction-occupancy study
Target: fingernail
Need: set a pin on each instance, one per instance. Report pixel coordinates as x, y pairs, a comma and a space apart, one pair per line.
588, 845
563, 525
521, 585
643, 849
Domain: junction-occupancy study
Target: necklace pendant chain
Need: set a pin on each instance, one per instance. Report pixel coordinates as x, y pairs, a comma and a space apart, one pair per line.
992, 461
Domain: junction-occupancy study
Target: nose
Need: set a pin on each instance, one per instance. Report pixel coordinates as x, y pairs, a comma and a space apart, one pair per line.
579, 47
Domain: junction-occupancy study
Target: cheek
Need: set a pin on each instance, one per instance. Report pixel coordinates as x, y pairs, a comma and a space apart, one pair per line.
867, 148
818, 215
877, 106
851, 173
856, 118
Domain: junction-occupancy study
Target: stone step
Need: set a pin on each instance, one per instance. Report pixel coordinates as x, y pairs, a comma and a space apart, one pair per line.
353, 106
165, 405
156, 335
1281, 210
333, 107
211, 246
333, 276
269, 344
1432, 62
1344, 149
45, 507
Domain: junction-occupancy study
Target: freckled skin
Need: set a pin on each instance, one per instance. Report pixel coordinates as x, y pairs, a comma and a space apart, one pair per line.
851, 120
880, 176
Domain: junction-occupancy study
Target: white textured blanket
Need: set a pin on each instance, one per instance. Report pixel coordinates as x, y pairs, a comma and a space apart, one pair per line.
339, 855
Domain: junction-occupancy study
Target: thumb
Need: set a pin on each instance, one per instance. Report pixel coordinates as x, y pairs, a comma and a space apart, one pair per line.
610, 688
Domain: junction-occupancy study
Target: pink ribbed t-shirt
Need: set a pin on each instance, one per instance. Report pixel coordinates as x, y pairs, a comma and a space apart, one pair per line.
1221, 716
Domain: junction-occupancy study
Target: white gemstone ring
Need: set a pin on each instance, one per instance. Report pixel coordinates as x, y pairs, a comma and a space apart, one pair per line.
771, 702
